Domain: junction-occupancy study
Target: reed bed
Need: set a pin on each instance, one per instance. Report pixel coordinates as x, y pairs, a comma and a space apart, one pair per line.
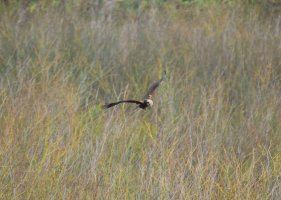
213, 133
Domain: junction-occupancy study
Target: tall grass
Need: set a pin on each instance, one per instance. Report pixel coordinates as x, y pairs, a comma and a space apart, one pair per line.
213, 133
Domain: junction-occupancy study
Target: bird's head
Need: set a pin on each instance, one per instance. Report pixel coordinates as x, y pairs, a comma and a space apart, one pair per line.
148, 102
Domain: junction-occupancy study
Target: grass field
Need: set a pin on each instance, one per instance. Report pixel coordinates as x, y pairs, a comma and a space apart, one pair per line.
213, 133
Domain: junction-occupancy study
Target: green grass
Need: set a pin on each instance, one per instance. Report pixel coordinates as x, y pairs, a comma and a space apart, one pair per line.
213, 133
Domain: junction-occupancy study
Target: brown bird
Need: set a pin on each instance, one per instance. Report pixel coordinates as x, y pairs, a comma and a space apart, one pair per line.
147, 102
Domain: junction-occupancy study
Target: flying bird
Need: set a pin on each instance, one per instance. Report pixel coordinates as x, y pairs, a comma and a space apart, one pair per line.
147, 102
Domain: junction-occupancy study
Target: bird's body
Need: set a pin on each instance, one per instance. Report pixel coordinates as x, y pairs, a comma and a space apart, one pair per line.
147, 102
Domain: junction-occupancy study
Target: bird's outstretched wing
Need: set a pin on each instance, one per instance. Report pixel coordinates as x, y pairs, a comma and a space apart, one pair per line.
123, 101
154, 85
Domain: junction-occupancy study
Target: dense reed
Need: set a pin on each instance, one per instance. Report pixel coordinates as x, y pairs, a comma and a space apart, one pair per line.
215, 129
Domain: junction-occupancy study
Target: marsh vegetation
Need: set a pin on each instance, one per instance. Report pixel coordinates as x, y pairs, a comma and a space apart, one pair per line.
214, 131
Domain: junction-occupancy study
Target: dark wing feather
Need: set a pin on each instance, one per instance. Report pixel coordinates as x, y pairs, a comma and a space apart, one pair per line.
123, 101
154, 85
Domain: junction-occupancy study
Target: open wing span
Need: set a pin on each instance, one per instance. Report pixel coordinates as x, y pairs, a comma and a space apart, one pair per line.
123, 101
147, 99
154, 86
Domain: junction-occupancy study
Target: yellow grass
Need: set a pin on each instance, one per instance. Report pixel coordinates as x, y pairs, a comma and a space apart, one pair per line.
213, 133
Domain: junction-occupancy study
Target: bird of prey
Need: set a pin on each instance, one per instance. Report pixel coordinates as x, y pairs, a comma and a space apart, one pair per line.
147, 102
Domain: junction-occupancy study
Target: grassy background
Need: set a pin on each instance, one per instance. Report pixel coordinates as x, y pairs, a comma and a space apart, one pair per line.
213, 133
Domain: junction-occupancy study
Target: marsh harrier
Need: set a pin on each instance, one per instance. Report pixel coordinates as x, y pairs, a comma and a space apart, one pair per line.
147, 102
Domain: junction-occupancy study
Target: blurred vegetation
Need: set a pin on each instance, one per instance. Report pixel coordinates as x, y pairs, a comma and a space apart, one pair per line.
213, 133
